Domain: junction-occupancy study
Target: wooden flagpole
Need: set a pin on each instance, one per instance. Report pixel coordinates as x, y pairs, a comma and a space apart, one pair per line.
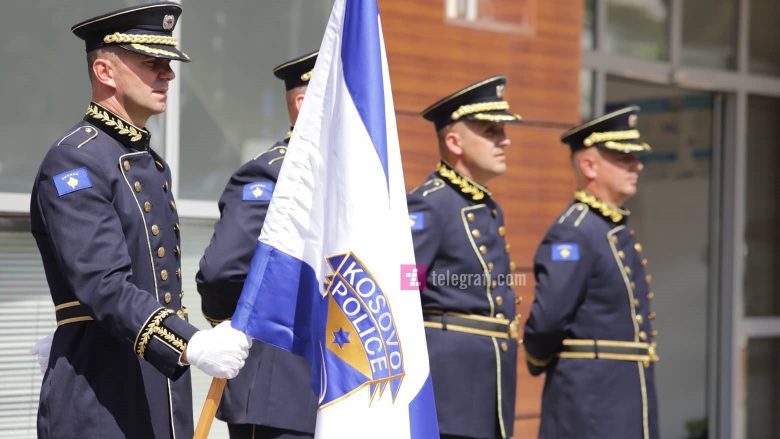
209, 408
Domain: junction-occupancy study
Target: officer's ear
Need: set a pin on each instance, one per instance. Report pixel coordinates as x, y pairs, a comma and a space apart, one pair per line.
104, 70
586, 163
299, 100
294, 99
451, 141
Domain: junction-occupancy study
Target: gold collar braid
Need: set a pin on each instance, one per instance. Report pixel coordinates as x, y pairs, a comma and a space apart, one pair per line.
122, 126
468, 187
615, 214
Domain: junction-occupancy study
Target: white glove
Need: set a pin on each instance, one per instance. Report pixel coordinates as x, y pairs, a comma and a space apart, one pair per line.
219, 351
41, 350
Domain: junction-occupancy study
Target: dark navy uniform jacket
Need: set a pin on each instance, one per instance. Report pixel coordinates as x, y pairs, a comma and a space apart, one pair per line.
592, 285
273, 388
105, 222
458, 232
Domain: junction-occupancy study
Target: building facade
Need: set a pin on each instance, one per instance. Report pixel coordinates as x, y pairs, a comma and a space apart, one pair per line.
705, 72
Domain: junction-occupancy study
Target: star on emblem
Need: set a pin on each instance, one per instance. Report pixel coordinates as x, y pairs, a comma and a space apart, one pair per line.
72, 182
257, 192
341, 337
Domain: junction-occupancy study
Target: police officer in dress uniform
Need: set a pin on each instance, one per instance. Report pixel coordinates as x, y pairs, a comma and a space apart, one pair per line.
590, 326
459, 237
105, 222
272, 396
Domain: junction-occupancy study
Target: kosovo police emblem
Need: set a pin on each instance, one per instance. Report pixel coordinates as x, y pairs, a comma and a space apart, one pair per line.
72, 181
361, 345
258, 191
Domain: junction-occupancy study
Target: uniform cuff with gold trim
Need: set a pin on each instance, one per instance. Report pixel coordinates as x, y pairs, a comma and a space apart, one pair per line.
536, 365
218, 307
162, 340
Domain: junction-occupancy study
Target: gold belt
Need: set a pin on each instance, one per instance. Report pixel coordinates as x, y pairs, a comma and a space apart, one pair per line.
609, 350
472, 324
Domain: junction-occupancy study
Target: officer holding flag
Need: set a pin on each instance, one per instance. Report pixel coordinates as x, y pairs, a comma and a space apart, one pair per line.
104, 219
271, 397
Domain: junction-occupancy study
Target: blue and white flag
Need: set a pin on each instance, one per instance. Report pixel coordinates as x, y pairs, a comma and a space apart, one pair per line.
326, 279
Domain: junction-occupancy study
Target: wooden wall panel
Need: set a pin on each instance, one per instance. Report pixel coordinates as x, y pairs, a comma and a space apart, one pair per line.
429, 59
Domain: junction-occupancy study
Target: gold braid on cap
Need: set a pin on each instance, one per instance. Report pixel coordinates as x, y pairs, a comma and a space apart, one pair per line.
119, 38
479, 107
627, 147
496, 117
156, 51
614, 213
611, 135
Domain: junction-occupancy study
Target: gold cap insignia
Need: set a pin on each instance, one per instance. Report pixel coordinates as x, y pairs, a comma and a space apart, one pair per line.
632, 120
500, 91
168, 22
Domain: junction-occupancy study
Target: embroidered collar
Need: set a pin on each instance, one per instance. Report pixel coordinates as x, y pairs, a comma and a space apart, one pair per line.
121, 130
466, 186
615, 214
289, 134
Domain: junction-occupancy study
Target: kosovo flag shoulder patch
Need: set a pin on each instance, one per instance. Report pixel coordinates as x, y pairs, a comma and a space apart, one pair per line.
565, 251
416, 221
258, 191
72, 181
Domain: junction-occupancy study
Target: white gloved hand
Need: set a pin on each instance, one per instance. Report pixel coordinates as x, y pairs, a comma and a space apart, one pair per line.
220, 351
41, 350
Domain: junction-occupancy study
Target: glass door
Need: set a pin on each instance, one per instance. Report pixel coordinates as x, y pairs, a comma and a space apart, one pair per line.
673, 216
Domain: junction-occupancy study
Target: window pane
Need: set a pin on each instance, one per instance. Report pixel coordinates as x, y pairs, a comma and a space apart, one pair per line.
195, 236
232, 105
762, 402
709, 33
638, 28
586, 94
671, 213
764, 37
589, 25
506, 16
44, 87
26, 316
762, 236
